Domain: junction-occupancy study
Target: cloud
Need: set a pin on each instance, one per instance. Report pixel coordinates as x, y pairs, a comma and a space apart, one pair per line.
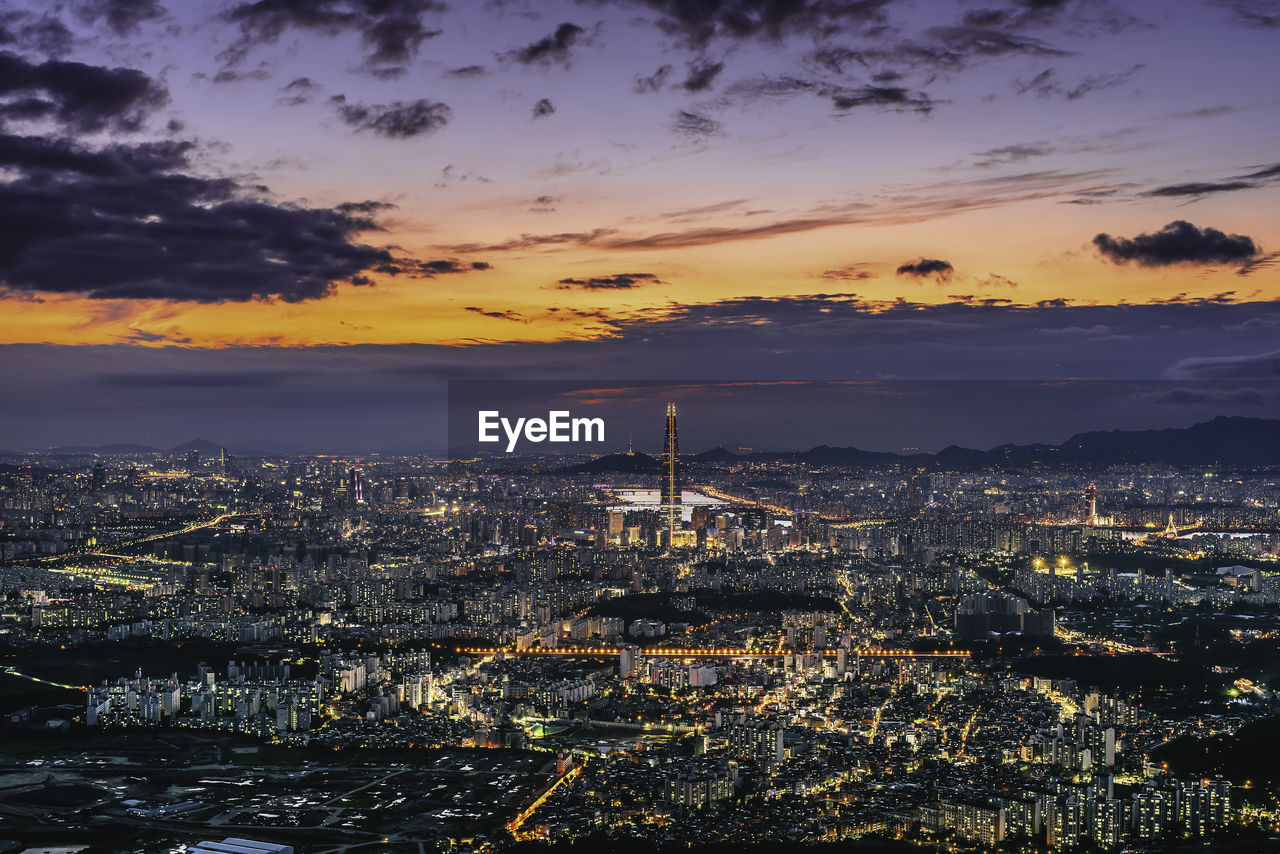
298, 91
124, 17
1046, 84
84, 98
618, 281
543, 108
44, 33
993, 280
134, 222
1259, 177
695, 126
1262, 261
430, 269
1178, 242
1256, 14
137, 220
849, 273
1247, 367
697, 25
654, 82
702, 75
945, 198
843, 97
1202, 397
468, 71
391, 30
397, 120
544, 204
499, 315
1012, 153
928, 267
230, 75
1199, 188
888, 97
555, 49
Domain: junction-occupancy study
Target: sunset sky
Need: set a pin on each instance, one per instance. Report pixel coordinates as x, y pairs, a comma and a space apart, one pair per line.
299, 218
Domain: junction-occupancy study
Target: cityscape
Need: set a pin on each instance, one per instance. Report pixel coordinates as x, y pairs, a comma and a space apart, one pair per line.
402, 653
639, 426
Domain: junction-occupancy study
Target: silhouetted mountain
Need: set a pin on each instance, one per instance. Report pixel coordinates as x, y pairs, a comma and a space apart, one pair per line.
719, 454
1224, 440
1232, 440
617, 463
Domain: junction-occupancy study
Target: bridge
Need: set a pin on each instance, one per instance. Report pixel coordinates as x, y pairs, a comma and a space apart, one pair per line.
728, 653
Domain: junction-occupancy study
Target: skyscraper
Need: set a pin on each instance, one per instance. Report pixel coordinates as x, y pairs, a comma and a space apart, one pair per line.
671, 474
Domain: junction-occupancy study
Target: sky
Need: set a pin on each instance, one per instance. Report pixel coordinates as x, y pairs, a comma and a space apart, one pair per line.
297, 220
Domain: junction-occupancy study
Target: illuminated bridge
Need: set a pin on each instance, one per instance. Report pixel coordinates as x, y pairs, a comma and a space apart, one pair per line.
726, 653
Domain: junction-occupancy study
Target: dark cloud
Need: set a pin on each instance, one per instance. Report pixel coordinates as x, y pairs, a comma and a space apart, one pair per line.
555, 49
887, 97
848, 273
1260, 177
1261, 262
702, 75
1178, 242
84, 98
1246, 367
397, 120
231, 75
616, 282
124, 17
842, 97
1046, 83
138, 221
1012, 153
500, 315
543, 108
994, 280
1257, 14
391, 30
45, 34
298, 91
695, 126
469, 71
652, 83
698, 24
963, 44
134, 222
1200, 188
926, 268
1203, 397
544, 204
448, 265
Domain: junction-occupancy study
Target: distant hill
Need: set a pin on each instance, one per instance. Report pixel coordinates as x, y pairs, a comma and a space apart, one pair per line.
719, 455
1223, 440
616, 464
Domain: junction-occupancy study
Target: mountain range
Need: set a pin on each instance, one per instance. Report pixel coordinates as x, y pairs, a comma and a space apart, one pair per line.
1223, 440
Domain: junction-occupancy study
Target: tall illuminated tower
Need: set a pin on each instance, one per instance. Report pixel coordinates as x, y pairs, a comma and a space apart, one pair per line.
671, 474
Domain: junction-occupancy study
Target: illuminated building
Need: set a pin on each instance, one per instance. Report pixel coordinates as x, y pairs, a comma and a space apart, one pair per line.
671, 474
